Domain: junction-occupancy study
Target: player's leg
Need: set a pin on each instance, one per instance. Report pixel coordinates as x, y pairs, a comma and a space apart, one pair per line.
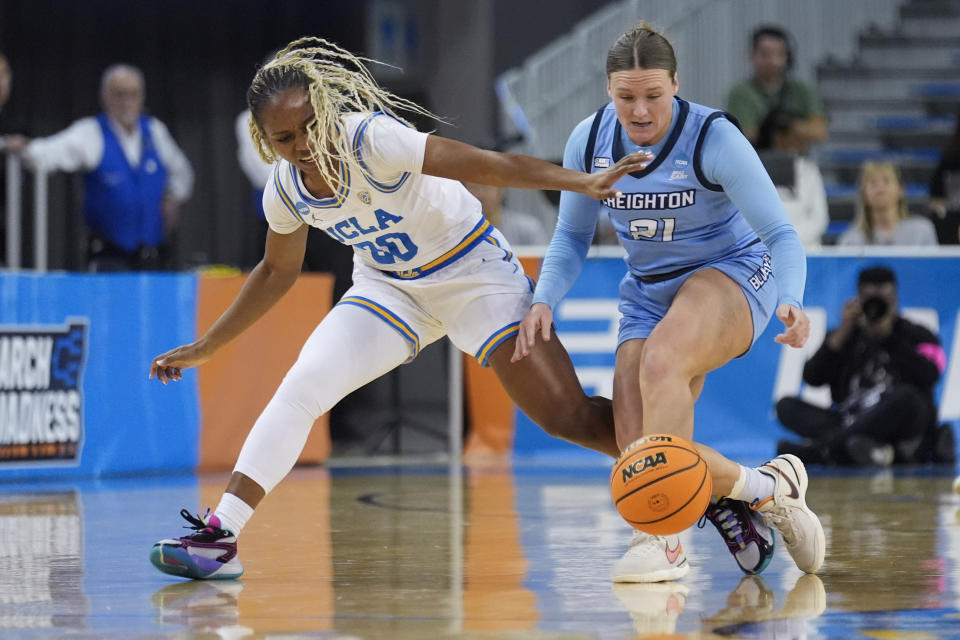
648, 558
545, 387
485, 296
352, 346
688, 343
670, 366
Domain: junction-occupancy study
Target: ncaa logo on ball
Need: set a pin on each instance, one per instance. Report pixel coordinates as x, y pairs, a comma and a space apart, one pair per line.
639, 466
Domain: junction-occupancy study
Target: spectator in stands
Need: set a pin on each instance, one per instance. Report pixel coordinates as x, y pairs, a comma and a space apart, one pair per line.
882, 216
881, 369
136, 175
796, 176
945, 191
519, 227
772, 88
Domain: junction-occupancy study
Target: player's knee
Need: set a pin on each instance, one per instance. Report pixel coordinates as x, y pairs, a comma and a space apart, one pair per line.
577, 422
563, 426
659, 365
297, 391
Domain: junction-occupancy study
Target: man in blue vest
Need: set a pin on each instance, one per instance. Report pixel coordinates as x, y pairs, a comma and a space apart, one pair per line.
135, 175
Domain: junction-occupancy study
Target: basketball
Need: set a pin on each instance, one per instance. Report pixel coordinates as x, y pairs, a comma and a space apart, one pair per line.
660, 484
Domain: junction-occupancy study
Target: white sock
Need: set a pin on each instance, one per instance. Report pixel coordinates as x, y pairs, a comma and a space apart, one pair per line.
233, 513
752, 486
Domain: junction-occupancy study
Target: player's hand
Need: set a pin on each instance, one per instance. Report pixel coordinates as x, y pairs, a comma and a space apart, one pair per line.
600, 184
169, 366
797, 324
538, 319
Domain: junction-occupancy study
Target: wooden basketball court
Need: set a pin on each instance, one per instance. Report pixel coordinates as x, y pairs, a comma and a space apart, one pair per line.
518, 551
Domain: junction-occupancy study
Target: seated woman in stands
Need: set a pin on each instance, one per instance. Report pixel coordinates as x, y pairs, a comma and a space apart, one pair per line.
882, 216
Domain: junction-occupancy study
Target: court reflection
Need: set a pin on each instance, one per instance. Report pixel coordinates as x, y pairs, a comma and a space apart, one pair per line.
496, 551
886, 549
752, 610
41, 562
655, 607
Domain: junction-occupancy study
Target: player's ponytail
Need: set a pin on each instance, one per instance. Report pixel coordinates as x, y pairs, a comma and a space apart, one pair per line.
337, 82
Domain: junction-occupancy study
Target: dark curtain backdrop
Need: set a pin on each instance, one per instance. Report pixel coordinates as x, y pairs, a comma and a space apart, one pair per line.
198, 58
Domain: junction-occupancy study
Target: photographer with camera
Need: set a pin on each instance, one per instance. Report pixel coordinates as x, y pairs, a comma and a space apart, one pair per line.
881, 369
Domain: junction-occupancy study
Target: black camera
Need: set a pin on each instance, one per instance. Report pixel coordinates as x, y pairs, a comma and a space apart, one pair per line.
874, 308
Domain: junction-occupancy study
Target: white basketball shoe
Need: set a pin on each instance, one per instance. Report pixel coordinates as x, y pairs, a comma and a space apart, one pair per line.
787, 512
651, 558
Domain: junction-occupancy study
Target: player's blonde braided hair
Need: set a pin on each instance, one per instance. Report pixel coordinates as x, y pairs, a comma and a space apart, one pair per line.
338, 83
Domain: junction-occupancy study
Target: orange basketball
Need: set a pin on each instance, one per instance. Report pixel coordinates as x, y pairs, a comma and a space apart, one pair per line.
660, 484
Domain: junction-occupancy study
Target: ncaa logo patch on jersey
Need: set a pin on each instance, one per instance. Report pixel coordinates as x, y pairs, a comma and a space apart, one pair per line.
681, 163
365, 197
601, 163
302, 209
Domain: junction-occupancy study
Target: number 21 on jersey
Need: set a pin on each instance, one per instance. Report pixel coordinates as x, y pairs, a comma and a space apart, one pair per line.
646, 228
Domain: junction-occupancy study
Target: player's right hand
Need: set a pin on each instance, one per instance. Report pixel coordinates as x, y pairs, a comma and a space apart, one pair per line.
539, 318
600, 184
169, 366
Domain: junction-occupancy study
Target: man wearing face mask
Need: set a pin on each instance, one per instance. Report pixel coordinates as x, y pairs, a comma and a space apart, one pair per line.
881, 369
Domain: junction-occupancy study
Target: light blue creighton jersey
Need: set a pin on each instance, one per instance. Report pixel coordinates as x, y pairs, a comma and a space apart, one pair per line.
669, 216
704, 197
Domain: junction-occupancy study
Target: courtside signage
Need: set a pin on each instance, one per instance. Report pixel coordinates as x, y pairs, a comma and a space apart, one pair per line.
41, 393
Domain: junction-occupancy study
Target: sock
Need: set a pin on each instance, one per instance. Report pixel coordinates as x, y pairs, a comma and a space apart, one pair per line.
752, 486
233, 513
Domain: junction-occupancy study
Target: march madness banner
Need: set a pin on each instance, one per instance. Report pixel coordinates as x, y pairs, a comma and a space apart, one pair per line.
41, 391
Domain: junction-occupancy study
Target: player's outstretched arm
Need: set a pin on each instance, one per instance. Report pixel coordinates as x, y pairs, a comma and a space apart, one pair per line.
447, 158
265, 285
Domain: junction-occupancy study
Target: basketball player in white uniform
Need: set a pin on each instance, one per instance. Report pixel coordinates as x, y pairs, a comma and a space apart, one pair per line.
426, 264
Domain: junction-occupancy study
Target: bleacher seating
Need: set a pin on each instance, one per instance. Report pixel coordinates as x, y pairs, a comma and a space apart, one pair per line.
895, 101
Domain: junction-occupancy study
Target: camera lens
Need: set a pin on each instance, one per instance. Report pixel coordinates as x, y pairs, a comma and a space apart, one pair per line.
874, 308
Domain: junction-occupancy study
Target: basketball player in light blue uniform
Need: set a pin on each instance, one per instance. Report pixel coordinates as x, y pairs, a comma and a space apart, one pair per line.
711, 256
426, 264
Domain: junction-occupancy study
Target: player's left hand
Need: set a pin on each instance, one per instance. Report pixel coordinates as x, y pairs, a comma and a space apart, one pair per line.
600, 184
797, 323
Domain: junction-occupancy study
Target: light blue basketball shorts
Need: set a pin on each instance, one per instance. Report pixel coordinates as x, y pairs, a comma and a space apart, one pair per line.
643, 305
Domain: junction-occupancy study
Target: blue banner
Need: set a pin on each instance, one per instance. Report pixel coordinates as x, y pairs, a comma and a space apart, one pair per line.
75, 351
735, 411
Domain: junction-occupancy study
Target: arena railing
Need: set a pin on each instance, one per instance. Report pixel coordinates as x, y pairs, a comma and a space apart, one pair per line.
14, 205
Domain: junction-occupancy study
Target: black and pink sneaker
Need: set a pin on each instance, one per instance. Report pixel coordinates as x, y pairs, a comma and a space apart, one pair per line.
208, 554
748, 538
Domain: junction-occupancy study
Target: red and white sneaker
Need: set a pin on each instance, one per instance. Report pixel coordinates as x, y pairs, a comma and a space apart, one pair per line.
651, 558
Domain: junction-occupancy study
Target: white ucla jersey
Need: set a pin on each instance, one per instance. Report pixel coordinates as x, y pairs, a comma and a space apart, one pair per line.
396, 219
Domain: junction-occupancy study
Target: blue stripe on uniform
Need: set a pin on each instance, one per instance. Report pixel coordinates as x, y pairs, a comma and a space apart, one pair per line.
357, 139
391, 318
283, 194
494, 341
469, 241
